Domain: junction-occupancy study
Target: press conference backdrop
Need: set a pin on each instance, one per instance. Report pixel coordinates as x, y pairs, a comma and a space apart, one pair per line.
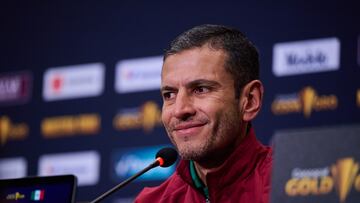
79, 82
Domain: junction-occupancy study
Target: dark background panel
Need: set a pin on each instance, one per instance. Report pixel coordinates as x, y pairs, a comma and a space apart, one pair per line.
38, 35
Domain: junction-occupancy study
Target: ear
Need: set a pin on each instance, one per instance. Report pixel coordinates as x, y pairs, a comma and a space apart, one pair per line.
251, 99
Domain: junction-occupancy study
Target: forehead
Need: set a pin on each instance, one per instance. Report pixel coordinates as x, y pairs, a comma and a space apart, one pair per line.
196, 63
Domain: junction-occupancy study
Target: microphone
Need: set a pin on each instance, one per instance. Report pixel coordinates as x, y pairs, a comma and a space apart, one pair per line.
164, 158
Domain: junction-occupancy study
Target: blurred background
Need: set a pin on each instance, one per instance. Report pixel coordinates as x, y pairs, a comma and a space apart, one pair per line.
79, 80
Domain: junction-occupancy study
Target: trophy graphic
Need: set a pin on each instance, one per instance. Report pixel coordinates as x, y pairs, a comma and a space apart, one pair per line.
344, 172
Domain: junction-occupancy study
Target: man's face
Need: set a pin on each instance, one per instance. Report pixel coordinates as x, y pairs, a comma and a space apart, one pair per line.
200, 112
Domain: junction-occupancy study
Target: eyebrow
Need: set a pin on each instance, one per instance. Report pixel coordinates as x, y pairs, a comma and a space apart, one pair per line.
193, 83
167, 88
200, 82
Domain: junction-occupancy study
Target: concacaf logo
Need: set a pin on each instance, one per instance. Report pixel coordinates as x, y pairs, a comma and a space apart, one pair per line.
305, 101
12, 131
342, 177
148, 116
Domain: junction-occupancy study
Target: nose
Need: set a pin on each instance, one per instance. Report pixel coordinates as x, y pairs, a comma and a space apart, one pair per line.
184, 107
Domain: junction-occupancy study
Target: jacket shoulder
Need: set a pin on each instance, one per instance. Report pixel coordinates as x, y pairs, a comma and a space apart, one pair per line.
174, 184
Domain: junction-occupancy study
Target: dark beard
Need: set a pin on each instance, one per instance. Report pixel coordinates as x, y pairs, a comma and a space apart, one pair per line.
208, 152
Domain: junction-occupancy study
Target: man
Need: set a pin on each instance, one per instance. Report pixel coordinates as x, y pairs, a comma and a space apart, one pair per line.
211, 92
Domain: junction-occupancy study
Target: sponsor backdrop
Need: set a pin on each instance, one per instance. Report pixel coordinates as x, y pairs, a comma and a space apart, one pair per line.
306, 172
79, 83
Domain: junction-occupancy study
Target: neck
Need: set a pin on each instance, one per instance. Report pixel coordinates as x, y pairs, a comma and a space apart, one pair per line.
213, 162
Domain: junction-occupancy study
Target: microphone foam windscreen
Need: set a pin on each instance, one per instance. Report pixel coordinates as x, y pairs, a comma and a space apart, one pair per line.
168, 154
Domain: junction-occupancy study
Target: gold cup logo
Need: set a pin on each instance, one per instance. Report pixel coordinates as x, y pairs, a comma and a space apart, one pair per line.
5, 126
308, 97
150, 115
19, 196
11, 131
344, 172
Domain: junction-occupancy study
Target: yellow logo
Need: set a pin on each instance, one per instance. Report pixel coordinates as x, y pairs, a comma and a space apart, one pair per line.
344, 172
343, 176
308, 96
358, 97
15, 196
306, 101
147, 117
60, 126
12, 131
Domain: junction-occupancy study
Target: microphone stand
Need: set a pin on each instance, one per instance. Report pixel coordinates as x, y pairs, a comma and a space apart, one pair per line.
125, 182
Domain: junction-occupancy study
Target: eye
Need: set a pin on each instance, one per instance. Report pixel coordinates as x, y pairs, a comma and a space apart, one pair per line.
168, 95
201, 90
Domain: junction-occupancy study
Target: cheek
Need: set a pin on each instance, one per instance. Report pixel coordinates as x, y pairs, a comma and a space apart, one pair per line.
220, 112
212, 110
165, 116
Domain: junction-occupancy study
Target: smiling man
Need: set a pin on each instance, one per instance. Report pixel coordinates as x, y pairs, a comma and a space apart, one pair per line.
211, 91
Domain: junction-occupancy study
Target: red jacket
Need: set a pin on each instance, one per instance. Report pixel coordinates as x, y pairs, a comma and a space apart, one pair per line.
244, 177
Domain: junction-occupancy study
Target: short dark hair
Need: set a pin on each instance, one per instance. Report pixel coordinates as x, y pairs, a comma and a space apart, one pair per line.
243, 58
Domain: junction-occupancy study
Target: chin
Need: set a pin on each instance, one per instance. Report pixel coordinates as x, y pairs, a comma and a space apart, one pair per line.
191, 153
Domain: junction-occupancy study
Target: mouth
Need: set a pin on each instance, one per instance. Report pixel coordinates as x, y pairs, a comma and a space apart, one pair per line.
188, 129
